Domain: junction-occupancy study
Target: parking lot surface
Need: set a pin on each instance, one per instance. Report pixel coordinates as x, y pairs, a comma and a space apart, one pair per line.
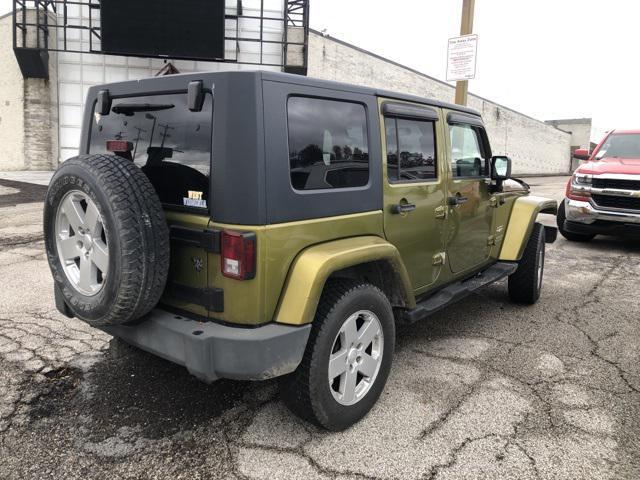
484, 389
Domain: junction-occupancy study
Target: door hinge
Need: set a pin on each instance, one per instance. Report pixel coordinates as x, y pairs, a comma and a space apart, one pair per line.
491, 240
438, 258
441, 212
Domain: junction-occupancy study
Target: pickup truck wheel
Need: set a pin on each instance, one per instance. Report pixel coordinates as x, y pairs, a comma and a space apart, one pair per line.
348, 357
526, 282
106, 238
573, 237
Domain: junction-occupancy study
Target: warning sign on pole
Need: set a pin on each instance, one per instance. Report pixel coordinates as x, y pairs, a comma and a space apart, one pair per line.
461, 58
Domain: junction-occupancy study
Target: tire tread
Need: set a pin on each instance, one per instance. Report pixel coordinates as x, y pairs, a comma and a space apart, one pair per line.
141, 229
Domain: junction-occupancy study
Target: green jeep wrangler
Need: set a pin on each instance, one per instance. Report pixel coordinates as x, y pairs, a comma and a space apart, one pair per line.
250, 225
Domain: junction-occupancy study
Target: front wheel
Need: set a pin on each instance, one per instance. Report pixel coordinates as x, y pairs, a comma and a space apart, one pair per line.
348, 357
526, 282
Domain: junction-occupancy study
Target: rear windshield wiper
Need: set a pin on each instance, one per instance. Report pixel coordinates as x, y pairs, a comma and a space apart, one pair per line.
129, 109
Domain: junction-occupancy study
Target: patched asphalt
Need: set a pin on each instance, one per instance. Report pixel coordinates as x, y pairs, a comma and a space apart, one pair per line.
484, 389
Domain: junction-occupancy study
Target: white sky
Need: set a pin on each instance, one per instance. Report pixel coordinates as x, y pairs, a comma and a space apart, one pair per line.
546, 58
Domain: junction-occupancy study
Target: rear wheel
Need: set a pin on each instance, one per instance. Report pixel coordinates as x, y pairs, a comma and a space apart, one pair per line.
348, 357
573, 237
106, 238
526, 282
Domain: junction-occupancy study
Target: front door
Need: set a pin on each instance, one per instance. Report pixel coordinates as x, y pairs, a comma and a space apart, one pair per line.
470, 214
414, 203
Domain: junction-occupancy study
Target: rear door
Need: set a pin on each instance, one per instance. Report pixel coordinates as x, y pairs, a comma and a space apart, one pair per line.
414, 202
470, 214
172, 146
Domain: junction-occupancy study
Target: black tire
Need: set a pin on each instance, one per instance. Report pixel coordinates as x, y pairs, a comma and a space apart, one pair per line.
134, 230
525, 283
573, 237
307, 391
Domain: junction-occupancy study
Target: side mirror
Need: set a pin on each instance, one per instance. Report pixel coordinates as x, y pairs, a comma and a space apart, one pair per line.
581, 154
500, 167
195, 96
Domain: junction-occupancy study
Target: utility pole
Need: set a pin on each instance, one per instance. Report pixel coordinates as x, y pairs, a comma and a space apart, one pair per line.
466, 28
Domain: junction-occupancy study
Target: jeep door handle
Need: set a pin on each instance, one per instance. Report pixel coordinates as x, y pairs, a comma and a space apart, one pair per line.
457, 200
403, 207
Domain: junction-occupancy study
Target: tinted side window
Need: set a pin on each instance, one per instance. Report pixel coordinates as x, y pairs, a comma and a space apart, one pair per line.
171, 144
467, 159
411, 150
328, 145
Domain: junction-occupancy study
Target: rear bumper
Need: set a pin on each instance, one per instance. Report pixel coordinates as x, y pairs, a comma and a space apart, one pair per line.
583, 217
211, 351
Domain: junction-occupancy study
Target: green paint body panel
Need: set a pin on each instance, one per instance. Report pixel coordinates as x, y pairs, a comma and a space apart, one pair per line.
418, 235
253, 302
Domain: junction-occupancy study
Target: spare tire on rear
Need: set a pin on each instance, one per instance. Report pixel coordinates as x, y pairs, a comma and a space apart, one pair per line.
106, 238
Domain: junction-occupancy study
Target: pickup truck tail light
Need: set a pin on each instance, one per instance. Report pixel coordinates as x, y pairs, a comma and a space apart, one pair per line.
579, 187
238, 254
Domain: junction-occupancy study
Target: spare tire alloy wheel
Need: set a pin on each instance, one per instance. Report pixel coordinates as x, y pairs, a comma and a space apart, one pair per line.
356, 357
107, 239
81, 243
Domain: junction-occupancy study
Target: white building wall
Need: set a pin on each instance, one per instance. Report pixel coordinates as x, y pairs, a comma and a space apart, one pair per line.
535, 147
579, 128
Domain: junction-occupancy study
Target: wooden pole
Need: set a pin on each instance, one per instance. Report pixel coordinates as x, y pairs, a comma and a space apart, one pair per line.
466, 28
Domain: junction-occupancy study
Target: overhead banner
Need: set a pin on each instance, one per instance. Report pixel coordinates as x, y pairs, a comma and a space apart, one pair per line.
461, 58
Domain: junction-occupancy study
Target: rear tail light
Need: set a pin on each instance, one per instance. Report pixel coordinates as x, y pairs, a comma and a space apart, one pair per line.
579, 187
238, 254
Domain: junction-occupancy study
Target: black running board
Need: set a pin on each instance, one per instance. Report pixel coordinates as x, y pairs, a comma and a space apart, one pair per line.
457, 291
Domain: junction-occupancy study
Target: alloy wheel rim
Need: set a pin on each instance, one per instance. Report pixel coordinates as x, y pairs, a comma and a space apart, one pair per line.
356, 356
81, 243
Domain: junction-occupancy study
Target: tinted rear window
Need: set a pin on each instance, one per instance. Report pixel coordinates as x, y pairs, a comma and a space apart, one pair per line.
171, 144
328, 146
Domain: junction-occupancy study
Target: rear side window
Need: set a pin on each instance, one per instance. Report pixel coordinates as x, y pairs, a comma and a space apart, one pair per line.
411, 150
467, 159
328, 144
170, 143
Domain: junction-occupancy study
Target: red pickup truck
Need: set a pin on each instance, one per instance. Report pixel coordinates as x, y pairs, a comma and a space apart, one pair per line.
603, 195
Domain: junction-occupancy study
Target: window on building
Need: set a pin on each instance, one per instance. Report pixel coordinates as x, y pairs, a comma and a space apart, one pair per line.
467, 159
328, 145
170, 143
411, 150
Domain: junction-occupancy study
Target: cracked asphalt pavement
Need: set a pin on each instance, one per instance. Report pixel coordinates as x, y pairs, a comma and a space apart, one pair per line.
484, 389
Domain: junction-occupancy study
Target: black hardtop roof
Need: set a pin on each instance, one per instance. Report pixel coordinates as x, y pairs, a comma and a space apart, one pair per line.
150, 83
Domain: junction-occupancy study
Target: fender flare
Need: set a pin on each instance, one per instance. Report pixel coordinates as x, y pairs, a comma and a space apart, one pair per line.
314, 265
521, 221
